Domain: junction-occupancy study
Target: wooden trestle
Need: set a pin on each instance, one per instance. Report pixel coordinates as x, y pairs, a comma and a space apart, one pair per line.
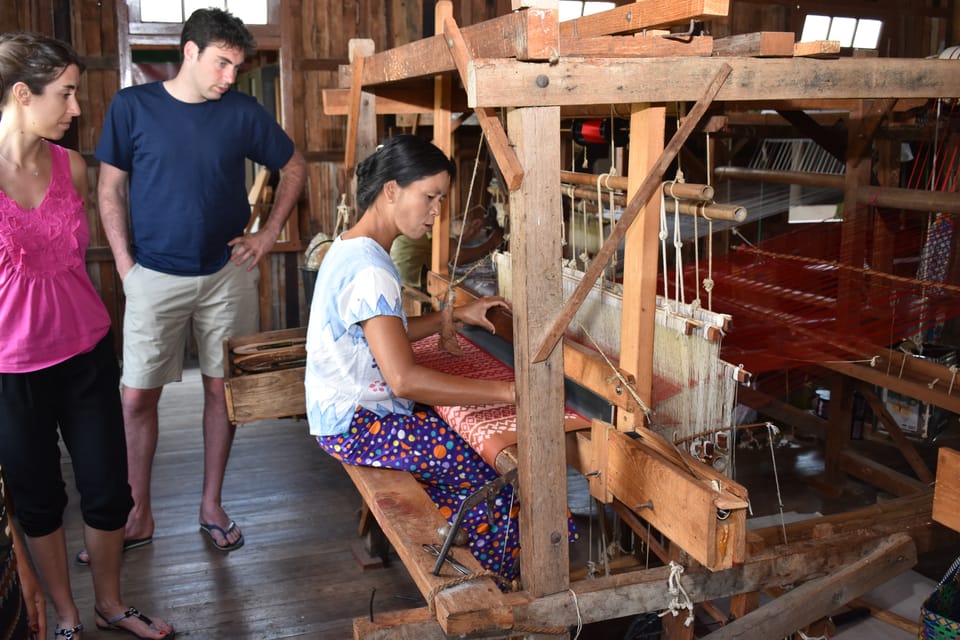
521, 73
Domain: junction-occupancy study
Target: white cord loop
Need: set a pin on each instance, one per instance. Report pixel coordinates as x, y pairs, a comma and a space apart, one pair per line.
680, 598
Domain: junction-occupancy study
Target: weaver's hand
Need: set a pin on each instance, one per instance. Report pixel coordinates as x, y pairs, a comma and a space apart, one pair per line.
475, 312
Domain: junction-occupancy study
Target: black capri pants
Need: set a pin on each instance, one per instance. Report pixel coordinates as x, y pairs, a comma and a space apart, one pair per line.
78, 400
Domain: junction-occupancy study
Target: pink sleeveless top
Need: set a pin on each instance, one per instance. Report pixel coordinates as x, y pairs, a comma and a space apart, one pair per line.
49, 310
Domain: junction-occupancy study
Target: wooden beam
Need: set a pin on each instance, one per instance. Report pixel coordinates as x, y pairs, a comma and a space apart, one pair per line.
946, 497
496, 137
535, 247
759, 44
637, 16
508, 83
642, 591
819, 598
359, 49
817, 49
877, 111
635, 46
637, 202
908, 387
905, 446
878, 475
410, 98
442, 138
781, 411
524, 35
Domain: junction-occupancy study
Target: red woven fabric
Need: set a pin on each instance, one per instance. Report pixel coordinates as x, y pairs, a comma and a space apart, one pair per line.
490, 428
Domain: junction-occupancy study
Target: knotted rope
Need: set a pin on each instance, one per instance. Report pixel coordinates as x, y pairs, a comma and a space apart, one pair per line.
680, 598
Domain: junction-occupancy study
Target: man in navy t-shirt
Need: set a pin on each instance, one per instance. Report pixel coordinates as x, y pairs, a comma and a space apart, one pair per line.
179, 148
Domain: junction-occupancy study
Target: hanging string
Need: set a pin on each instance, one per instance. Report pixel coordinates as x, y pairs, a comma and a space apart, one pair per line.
600, 221
677, 252
466, 206
680, 598
576, 603
773, 431
664, 234
708, 281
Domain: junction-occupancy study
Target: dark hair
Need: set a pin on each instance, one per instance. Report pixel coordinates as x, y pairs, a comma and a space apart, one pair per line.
33, 59
405, 158
218, 27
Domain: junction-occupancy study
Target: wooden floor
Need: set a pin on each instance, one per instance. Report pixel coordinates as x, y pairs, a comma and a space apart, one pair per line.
296, 577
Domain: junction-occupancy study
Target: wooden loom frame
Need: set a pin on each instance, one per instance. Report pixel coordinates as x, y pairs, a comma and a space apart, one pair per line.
536, 68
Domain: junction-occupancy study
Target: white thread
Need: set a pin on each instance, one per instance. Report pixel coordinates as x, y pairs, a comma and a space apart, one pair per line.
680, 598
773, 431
804, 636
576, 603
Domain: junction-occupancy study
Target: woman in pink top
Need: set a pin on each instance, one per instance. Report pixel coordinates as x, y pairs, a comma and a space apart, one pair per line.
58, 371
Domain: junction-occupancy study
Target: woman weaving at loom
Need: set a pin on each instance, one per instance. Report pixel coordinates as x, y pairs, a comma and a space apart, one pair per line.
368, 400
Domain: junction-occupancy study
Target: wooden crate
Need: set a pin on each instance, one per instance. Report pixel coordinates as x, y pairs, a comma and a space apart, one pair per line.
263, 375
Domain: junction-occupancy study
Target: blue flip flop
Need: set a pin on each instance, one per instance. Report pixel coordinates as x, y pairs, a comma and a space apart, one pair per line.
210, 528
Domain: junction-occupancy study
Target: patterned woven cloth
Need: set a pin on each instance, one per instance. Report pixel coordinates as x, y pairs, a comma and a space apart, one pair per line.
490, 428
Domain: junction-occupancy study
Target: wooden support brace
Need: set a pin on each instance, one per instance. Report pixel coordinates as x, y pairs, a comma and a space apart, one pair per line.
497, 139
819, 598
878, 110
639, 200
359, 49
906, 447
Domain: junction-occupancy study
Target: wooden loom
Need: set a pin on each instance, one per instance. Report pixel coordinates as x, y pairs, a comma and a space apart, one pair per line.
537, 68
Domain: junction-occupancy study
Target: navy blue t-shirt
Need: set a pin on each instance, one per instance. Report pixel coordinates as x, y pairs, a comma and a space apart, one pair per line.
186, 167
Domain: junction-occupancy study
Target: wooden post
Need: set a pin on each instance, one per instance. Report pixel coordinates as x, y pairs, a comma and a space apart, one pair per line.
641, 248
535, 247
443, 138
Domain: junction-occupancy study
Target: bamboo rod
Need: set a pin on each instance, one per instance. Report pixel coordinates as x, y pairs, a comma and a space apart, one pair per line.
910, 199
782, 177
618, 183
706, 210
688, 191
681, 190
725, 212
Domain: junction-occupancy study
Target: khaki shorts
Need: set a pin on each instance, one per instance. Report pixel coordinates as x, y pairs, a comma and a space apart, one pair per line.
160, 309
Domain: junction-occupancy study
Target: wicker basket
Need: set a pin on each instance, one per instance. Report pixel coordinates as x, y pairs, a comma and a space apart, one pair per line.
941, 611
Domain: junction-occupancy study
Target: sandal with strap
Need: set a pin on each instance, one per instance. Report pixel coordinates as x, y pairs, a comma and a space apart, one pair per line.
132, 612
69, 632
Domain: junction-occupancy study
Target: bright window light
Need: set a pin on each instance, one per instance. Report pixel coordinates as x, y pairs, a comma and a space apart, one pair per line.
850, 32
868, 34
815, 28
842, 29
189, 6
160, 11
250, 11
572, 9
